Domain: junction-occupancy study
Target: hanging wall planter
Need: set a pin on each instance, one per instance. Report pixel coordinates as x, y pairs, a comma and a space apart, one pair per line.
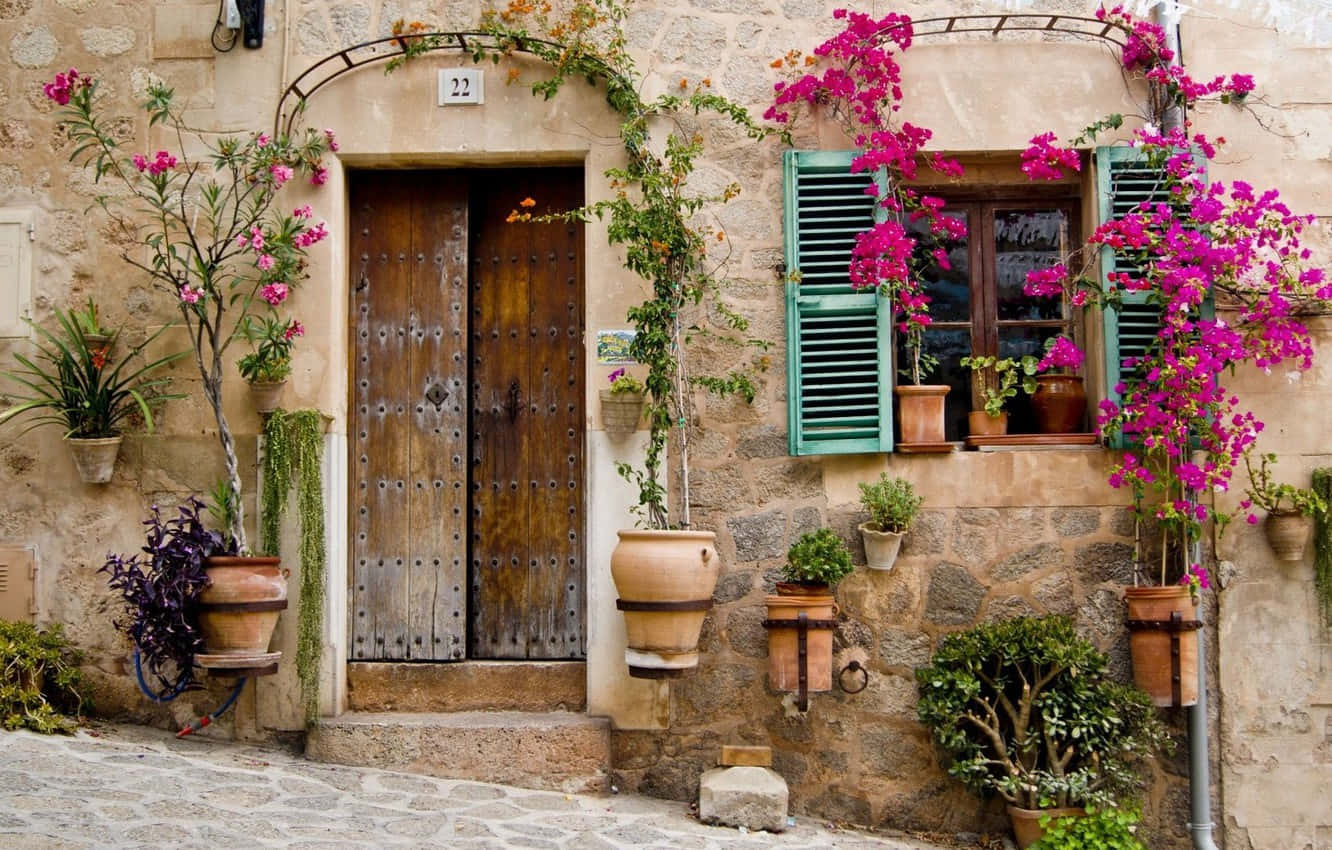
95, 458
1163, 642
621, 413
266, 395
800, 624
1288, 534
881, 547
238, 611
665, 581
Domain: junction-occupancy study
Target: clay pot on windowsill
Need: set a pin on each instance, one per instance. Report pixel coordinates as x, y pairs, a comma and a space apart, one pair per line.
982, 424
920, 413
1060, 404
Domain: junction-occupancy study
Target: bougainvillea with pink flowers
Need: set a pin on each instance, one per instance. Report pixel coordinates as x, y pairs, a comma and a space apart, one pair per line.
206, 230
860, 82
1207, 239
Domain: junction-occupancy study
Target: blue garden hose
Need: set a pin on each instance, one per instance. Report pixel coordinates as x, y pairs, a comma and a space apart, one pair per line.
143, 686
195, 725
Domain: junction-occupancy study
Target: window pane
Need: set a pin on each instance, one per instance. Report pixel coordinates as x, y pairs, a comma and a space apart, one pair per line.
949, 289
1025, 240
950, 345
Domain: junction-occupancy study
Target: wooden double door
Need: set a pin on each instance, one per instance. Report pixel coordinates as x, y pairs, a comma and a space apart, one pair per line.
467, 496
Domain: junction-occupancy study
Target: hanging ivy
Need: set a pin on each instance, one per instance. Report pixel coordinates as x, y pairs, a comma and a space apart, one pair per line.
1322, 485
293, 445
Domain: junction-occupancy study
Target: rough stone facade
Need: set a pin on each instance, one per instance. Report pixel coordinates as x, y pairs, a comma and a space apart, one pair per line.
1003, 534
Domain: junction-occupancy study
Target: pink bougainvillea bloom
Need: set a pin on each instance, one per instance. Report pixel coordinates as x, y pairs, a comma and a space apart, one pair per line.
188, 295
281, 173
265, 262
615, 376
274, 293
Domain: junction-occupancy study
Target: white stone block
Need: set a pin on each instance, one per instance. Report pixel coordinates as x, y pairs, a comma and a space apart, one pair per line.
750, 797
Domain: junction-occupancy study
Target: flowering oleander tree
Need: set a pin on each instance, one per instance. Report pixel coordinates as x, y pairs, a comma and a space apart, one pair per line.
206, 229
859, 81
1207, 239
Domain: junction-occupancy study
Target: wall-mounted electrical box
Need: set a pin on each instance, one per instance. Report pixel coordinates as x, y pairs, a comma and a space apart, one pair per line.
18, 583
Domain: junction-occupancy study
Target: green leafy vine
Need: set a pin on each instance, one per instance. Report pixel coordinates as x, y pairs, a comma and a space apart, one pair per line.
293, 448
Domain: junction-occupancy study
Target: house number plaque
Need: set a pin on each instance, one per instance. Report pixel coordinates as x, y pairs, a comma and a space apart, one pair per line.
461, 85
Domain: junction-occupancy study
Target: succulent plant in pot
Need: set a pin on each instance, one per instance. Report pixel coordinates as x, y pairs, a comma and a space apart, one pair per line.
1027, 710
803, 612
892, 504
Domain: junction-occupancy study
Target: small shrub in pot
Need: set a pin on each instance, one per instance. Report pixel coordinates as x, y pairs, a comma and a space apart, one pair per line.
817, 559
892, 504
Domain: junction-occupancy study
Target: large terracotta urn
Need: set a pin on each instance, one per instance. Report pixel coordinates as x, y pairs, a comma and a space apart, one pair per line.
665, 581
238, 611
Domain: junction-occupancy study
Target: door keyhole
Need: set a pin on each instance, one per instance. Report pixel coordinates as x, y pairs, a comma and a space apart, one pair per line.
514, 404
437, 395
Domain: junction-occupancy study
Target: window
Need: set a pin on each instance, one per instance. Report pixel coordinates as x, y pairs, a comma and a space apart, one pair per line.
977, 306
840, 363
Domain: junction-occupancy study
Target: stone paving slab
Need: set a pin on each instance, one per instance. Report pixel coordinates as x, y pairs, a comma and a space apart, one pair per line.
118, 786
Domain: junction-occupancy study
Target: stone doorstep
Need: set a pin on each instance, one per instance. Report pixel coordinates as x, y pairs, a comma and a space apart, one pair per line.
467, 686
553, 751
745, 796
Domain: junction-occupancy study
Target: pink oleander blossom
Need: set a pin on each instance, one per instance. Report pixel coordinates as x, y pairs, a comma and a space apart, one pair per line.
162, 162
265, 262
294, 329
189, 295
331, 139
63, 87
280, 173
319, 176
274, 293
302, 212
140, 161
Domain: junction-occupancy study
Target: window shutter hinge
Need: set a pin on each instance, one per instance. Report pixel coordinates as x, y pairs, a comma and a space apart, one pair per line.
32, 232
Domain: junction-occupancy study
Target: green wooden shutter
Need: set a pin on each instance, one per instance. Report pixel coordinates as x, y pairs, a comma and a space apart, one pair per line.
839, 341
1125, 180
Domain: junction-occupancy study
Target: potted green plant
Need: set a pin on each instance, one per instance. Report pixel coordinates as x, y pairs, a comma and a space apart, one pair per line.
1102, 828
1290, 509
1027, 710
622, 404
814, 565
74, 384
892, 504
996, 381
90, 324
267, 367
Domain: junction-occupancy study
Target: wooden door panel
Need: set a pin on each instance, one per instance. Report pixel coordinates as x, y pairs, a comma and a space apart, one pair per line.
408, 266
527, 443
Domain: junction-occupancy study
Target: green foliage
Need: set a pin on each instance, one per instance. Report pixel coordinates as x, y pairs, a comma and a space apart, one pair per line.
222, 507
892, 503
271, 359
88, 321
1269, 496
1102, 829
293, 446
1026, 709
818, 557
40, 683
1322, 485
73, 383
999, 378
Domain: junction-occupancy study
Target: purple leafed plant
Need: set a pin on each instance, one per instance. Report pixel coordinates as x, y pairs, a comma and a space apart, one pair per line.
160, 586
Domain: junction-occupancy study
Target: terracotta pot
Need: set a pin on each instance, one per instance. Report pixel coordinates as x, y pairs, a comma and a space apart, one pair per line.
1027, 822
665, 581
621, 413
783, 640
1060, 404
920, 413
239, 609
982, 424
94, 457
266, 395
1288, 533
1150, 647
881, 547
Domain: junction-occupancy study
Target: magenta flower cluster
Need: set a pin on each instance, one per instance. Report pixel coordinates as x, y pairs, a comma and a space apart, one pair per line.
65, 86
160, 164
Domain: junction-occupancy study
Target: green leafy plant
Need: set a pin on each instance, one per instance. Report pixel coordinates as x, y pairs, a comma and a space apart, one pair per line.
1026, 710
1101, 829
40, 683
1322, 485
88, 320
271, 359
892, 503
1271, 497
73, 383
293, 443
622, 383
998, 378
818, 557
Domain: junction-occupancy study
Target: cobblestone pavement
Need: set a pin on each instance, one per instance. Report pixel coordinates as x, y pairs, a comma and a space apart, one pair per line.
128, 786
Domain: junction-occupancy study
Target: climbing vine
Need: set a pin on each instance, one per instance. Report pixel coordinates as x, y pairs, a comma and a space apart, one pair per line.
293, 444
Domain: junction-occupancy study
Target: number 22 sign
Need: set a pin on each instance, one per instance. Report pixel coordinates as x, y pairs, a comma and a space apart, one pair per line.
461, 85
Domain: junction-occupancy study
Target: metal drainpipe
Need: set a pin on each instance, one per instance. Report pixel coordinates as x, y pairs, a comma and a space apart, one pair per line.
1200, 780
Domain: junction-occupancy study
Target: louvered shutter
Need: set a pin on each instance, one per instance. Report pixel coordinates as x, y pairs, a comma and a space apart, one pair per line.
1125, 180
839, 341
